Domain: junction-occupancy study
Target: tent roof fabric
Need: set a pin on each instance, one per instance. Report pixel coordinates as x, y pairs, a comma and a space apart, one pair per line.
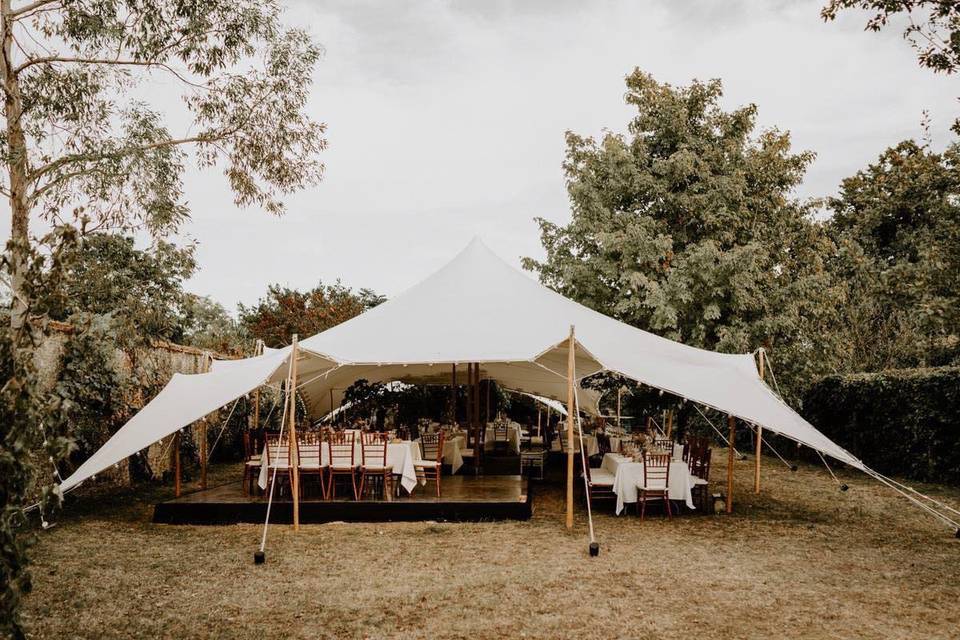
477, 308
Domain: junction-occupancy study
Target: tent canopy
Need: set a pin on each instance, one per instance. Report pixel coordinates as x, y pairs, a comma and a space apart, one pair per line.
476, 309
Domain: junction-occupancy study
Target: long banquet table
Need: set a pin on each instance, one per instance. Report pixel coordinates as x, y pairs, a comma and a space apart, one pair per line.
400, 455
627, 474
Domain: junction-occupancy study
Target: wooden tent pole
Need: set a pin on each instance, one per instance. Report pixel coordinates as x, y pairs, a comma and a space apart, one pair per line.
571, 363
176, 464
453, 394
732, 423
294, 450
619, 393
486, 417
257, 350
204, 453
759, 443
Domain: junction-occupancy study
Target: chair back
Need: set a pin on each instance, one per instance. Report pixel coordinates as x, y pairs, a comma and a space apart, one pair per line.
373, 437
700, 464
308, 449
432, 444
340, 447
278, 450
374, 450
656, 470
603, 443
664, 444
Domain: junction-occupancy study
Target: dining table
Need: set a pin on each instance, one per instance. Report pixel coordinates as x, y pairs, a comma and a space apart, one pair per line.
453, 452
402, 456
629, 473
514, 431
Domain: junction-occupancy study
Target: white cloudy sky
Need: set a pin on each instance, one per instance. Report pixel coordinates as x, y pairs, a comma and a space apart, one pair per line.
446, 120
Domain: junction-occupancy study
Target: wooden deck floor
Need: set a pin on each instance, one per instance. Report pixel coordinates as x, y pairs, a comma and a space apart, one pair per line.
463, 498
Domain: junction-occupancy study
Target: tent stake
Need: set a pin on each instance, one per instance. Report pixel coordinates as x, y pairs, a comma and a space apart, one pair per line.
732, 422
295, 458
571, 360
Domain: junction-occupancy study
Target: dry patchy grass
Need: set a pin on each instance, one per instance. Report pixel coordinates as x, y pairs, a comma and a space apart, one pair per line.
802, 560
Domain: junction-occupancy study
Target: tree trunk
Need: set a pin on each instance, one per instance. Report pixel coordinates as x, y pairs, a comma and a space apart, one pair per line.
18, 169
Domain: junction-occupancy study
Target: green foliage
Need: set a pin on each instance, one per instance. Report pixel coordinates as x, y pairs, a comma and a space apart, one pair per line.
284, 311
141, 290
897, 225
205, 324
32, 433
903, 422
92, 392
686, 227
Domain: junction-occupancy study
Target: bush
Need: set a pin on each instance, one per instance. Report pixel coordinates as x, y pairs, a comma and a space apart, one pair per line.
904, 422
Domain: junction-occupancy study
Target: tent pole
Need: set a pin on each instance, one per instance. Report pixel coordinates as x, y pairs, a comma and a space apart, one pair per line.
476, 406
294, 450
619, 393
486, 417
176, 464
257, 351
204, 453
732, 422
571, 360
759, 444
453, 395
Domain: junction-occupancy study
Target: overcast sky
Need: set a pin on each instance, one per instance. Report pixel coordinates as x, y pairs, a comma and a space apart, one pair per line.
446, 120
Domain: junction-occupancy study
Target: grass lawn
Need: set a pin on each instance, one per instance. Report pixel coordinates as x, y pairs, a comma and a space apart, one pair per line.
801, 560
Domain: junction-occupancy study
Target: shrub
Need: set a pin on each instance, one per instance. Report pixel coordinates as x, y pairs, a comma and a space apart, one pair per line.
904, 422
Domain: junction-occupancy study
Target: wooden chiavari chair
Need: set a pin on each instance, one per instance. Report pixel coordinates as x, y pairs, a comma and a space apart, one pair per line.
252, 460
656, 482
700, 470
374, 455
664, 444
600, 483
278, 458
340, 452
310, 455
431, 462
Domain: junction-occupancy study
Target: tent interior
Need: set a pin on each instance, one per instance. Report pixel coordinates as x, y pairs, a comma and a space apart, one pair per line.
477, 309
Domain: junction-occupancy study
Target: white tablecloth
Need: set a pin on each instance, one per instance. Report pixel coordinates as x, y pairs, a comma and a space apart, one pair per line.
614, 444
452, 455
627, 474
401, 456
513, 437
590, 445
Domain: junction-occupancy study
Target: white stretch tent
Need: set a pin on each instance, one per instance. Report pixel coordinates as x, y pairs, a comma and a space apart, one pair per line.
476, 309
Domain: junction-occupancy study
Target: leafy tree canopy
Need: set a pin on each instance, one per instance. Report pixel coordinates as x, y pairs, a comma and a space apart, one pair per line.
897, 223
686, 227
284, 311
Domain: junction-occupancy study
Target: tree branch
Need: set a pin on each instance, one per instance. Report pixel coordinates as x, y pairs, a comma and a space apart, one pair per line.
27, 8
108, 61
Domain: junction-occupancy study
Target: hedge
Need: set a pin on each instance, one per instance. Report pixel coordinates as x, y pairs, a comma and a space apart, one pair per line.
903, 422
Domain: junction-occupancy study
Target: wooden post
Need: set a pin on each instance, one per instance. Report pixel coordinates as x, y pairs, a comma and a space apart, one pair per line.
619, 393
453, 395
207, 360
571, 364
669, 421
292, 435
759, 444
257, 351
486, 417
176, 464
732, 423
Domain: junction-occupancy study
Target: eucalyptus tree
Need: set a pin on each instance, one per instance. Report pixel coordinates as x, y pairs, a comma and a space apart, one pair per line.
90, 141
686, 226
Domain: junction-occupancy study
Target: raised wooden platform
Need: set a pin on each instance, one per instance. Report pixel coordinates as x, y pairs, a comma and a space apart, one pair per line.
464, 498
